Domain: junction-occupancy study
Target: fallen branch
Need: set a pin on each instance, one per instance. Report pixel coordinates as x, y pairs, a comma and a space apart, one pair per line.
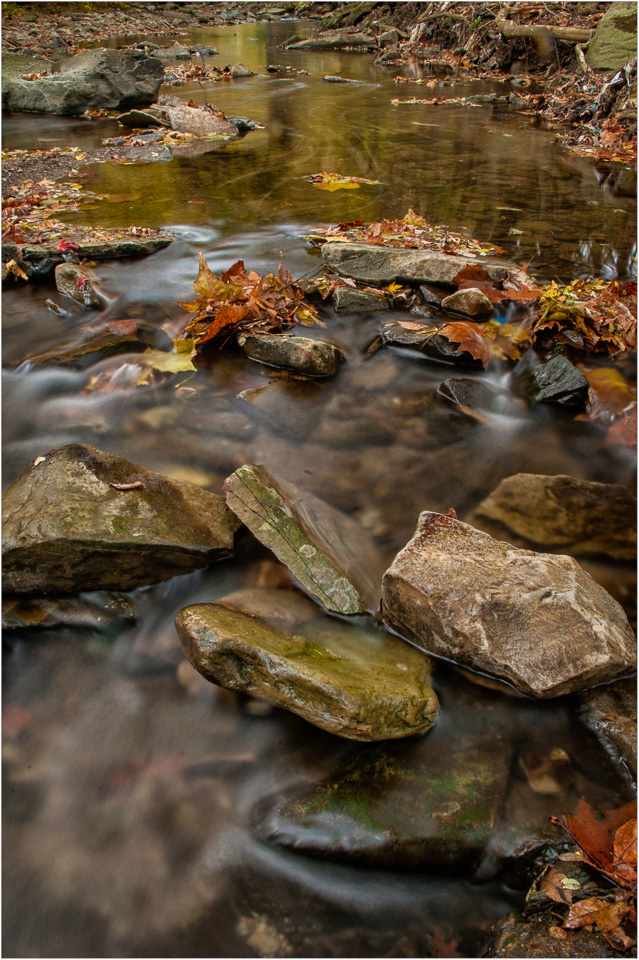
569, 34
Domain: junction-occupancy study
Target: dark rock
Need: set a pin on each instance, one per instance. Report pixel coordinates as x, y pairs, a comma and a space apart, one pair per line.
243, 124
553, 380
470, 301
388, 38
74, 281
476, 395
92, 79
425, 339
382, 265
536, 620
315, 358
330, 554
611, 713
428, 804
355, 681
350, 300
45, 613
40, 260
67, 528
561, 514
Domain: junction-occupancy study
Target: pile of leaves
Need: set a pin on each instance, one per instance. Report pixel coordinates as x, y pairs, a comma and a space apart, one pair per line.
242, 300
607, 842
412, 232
458, 101
184, 73
592, 315
335, 181
27, 210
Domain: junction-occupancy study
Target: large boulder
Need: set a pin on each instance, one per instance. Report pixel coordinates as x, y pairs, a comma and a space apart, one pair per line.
381, 265
615, 39
356, 681
535, 620
83, 519
93, 79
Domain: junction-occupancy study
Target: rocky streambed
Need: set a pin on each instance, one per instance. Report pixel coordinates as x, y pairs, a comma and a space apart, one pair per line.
310, 633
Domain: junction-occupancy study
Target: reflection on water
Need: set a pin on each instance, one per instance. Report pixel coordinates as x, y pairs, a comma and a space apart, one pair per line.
130, 781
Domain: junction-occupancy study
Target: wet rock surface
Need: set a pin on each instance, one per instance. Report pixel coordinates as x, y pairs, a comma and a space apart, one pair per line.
74, 281
46, 613
551, 380
356, 681
536, 620
199, 122
40, 260
473, 394
542, 936
350, 300
315, 358
93, 79
561, 514
66, 527
611, 713
471, 301
424, 805
420, 337
330, 554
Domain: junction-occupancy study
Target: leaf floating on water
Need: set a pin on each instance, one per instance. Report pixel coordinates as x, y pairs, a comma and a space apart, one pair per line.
335, 181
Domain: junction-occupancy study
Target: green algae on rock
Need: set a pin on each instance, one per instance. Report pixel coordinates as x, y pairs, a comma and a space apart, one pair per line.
84, 519
332, 556
354, 680
425, 804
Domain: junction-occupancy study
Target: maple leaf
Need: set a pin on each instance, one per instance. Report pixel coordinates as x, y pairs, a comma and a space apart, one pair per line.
594, 834
473, 338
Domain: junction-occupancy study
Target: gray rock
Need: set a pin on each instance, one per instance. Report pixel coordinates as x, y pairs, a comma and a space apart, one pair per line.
239, 70
67, 528
329, 79
315, 358
554, 380
144, 118
615, 39
199, 122
73, 281
611, 713
176, 51
427, 805
329, 554
14, 65
388, 38
479, 396
379, 264
536, 620
93, 79
350, 300
46, 613
355, 681
561, 514
471, 301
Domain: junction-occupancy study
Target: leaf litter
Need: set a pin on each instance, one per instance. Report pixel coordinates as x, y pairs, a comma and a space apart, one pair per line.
335, 181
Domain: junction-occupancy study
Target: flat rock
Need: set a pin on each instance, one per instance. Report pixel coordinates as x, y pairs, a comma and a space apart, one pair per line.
92, 79
41, 259
315, 358
67, 528
379, 264
330, 555
611, 713
46, 613
471, 301
551, 380
472, 394
176, 51
350, 300
330, 79
615, 39
536, 620
73, 281
356, 681
420, 337
428, 805
199, 122
561, 514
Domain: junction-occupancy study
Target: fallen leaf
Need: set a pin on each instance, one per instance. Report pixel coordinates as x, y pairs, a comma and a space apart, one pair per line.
335, 181
136, 485
594, 833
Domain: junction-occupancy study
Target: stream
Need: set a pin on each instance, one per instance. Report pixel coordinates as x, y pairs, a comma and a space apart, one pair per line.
130, 782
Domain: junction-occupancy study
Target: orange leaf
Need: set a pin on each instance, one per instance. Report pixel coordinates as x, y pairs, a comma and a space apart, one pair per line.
473, 338
625, 851
594, 833
607, 916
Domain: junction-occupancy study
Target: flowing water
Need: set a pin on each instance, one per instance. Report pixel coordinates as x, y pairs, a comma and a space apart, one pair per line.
129, 781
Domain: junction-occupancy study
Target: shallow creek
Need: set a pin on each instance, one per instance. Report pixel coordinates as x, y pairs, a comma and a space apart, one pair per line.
130, 783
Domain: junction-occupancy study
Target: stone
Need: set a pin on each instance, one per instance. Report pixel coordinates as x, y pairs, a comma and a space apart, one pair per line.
73, 281
535, 620
425, 805
425, 339
315, 358
475, 395
285, 407
615, 40
199, 122
14, 65
329, 554
551, 380
329, 79
46, 613
388, 38
334, 40
176, 51
140, 119
543, 936
350, 300
471, 301
382, 265
41, 259
356, 681
67, 528
561, 514
611, 713
239, 70
104, 339
102, 78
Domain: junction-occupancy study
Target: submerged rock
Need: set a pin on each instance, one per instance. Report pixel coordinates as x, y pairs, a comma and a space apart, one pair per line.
176, 51
536, 620
83, 519
471, 301
356, 681
350, 300
611, 713
427, 805
46, 613
315, 358
553, 380
466, 392
379, 264
92, 79
331, 555
425, 339
561, 514
542, 936
74, 281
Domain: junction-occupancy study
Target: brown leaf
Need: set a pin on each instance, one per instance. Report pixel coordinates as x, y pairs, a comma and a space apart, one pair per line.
624, 431
136, 485
625, 851
473, 338
552, 886
594, 832
607, 916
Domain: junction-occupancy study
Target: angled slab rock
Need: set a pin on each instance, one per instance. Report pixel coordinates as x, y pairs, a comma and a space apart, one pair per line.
68, 527
611, 713
379, 264
328, 553
428, 804
536, 620
560, 513
356, 681
315, 358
